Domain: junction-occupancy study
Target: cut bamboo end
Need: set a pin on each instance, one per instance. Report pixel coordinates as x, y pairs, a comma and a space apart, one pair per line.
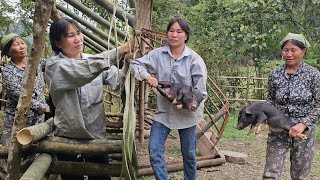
24, 136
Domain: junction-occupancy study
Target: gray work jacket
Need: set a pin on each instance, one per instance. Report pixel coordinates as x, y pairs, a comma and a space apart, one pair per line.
76, 87
189, 69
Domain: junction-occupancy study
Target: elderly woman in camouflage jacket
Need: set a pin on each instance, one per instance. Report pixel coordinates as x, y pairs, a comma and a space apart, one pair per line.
295, 89
14, 47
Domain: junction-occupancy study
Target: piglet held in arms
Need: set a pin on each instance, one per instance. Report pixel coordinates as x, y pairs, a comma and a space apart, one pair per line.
181, 95
258, 113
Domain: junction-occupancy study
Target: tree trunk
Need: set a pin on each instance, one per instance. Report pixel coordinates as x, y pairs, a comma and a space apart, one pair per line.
38, 168
143, 20
41, 17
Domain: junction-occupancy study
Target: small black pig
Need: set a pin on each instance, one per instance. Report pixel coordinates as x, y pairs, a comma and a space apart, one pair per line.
181, 95
258, 113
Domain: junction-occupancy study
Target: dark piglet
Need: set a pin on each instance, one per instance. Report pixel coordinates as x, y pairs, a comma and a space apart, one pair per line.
181, 95
258, 113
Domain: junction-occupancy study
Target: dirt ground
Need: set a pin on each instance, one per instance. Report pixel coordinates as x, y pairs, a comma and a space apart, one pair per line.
227, 171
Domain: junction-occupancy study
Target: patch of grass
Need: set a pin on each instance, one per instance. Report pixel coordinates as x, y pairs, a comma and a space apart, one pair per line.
315, 170
231, 133
318, 133
175, 150
2, 114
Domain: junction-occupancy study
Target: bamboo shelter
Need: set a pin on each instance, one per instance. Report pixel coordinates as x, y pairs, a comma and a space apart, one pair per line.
126, 123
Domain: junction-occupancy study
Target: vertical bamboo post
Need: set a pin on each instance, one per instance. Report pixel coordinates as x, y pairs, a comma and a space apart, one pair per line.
41, 16
143, 20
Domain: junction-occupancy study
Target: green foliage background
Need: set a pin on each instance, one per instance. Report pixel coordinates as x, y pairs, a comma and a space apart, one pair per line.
234, 37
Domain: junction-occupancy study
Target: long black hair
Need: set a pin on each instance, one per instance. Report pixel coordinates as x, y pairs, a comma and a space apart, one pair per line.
183, 24
59, 29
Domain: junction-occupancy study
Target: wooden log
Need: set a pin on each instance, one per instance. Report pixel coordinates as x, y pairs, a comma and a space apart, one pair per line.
111, 130
114, 124
40, 22
112, 114
84, 168
59, 145
38, 168
114, 137
179, 160
234, 157
36, 132
179, 166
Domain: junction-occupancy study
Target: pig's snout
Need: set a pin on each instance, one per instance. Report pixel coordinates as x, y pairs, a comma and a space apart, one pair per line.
193, 106
239, 126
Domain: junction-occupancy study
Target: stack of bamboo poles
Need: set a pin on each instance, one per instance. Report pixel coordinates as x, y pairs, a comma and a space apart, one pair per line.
37, 140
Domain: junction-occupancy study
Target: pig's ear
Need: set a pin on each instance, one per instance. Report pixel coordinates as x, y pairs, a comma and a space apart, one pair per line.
248, 111
179, 94
262, 117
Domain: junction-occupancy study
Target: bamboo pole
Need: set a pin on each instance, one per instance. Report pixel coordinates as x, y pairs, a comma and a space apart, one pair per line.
120, 13
94, 16
59, 145
36, 132
38, 168
93, 43
41, 16
94, 29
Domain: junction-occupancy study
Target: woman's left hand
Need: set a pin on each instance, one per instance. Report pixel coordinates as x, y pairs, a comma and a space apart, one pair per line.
297, 130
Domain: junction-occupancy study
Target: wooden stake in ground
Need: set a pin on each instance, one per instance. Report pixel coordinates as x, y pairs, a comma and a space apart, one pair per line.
41, 17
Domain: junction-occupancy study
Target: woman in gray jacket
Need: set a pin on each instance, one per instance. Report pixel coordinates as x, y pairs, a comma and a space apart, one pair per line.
75, 81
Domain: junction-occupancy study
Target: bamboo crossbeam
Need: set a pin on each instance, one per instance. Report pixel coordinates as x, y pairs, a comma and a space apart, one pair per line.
38, 168
95, 38
87, 24
58, 145
179, 160
84, 168
112, 114
114, 124
240, 77
94, 16
93, 43
33, 133
120, 13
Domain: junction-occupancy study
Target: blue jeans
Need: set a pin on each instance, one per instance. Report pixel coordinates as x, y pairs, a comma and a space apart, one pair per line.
158, 137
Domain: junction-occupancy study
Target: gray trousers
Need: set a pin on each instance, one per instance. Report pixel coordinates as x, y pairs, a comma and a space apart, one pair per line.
301, 155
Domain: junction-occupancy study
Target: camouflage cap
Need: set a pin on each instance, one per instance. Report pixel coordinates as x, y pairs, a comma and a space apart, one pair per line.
6, 38
298, 37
